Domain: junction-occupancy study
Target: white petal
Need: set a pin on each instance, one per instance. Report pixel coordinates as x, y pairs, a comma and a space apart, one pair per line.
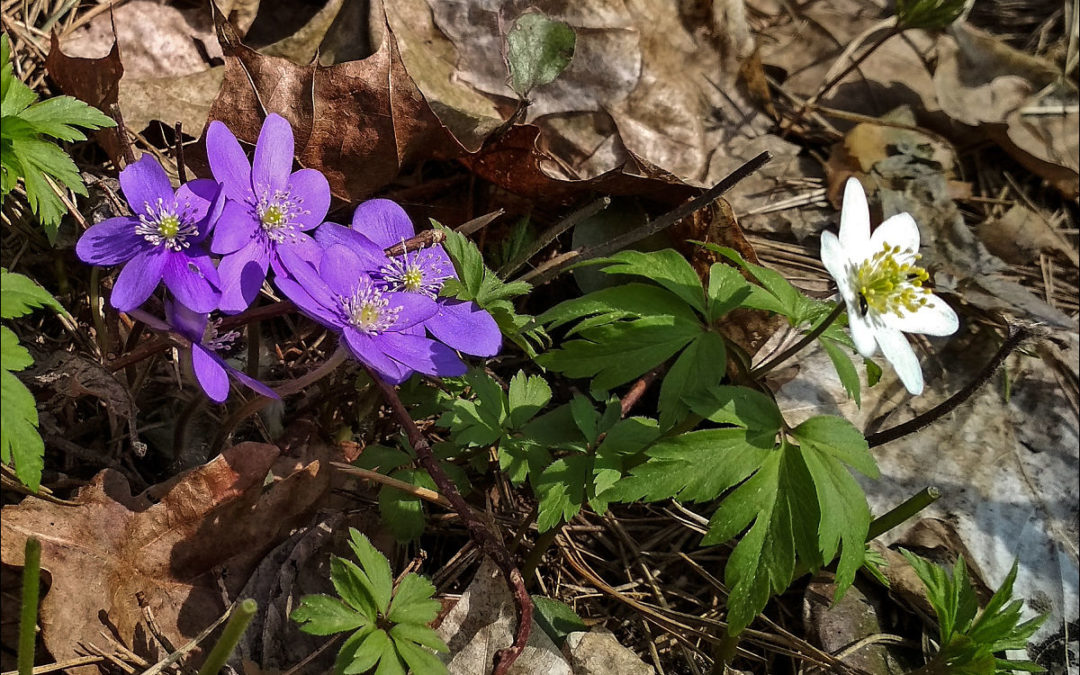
862, 332
854, 220
933, 318
900, 230
838, 264
895, 348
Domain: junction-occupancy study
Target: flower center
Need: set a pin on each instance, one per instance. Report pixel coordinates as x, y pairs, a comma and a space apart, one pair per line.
164, 225
368, 311
890, 286
278, 213
417, 272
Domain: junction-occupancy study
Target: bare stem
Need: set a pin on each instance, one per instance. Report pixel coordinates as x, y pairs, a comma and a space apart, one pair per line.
482, 534
903, 512
1017, 334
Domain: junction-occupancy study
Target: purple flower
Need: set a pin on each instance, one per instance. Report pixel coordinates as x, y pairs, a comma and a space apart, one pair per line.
269, 207
211, 371
161, 241
380, 327
380, 223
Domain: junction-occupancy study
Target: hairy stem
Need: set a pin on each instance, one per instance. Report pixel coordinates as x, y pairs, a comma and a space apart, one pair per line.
482, 534
234, 630
31, 578
798, 346
1016, 334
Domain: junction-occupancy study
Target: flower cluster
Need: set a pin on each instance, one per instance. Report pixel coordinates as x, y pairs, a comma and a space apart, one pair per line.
266, 219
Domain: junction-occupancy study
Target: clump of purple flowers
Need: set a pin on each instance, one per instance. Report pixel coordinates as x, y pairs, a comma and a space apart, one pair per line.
258, 217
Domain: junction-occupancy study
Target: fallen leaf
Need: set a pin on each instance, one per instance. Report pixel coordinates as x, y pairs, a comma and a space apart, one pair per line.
597, 652
358, 122
93, 80
854, 617
482, 623
1020, 235
171, 544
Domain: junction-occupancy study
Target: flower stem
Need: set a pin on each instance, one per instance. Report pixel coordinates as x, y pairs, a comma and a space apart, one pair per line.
903, 512
798, 346
31, 578
234, 630
1017, 333
483, 534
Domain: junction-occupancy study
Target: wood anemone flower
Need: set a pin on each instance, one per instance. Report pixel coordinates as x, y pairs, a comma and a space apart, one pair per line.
882, 285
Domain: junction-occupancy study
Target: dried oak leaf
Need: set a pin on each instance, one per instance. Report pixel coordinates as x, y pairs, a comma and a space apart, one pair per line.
170, 544
94, 80
358, 122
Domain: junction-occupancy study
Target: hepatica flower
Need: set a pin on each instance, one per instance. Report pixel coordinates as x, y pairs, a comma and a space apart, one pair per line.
379, 224
380, 327
211, 370
269, 208
883, 286
162, 240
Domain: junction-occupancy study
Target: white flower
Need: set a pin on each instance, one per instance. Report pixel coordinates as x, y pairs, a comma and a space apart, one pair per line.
882, 285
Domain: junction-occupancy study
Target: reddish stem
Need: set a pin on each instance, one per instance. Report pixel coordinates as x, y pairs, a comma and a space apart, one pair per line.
484, 536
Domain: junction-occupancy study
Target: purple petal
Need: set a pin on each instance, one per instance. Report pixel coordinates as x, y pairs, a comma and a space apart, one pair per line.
210, 372
138, 279
303, 274
307, 304
188, 323
311, 186
340, 268
303, 247
415, 309
193, 280
203, 200
144, 183
235, 228
273, 155
110, 242
371, 254
228, 162
366, 349
465, 327
383, 222
421, 354
251, 382
242, 274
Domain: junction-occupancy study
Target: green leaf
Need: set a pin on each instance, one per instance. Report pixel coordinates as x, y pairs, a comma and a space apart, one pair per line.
741, 406
616, 353
585, 417
323, 615
873, 372
556, 618
21, 295
419, 659
403, 513
478, 422
348, 649
374, 648
696, 466
375, 566
354, 587
778, 505
419, 634
413, 603
845, 369
829, 446
561, 490
727, 290
528, 395
700, 366
58, 117
381, 458
20, 441
520, 457
668, 268
786, 299
633, 300
538, 49
13, 355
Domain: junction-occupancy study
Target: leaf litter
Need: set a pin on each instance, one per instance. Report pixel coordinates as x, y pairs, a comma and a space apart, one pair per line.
647, 109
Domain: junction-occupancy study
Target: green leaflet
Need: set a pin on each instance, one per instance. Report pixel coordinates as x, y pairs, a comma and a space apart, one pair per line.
392, 623
538, 49
24, 152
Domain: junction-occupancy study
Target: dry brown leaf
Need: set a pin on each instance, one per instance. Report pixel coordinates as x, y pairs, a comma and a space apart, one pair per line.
175, 544
94, 80
358, 122
1020, 235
